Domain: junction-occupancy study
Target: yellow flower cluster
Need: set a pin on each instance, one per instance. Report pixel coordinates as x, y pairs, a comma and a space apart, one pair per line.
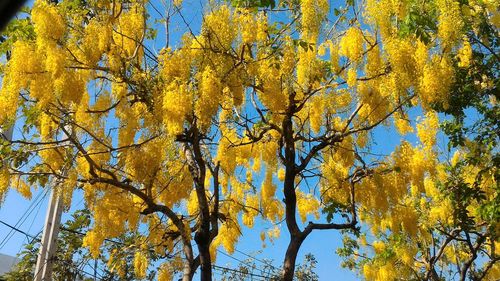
221, 24
465, 54
427, 130
438, 76
442, 212
307, 204
246, 23
352, 77
251, 210
207, 102
450, 22
400, 53
374, 99
23, 188
308, 68
374, 63
131, 30
334, 56
271, 93
273, 210
48, 22
93, 240
262, 26
177, 104
373, 272
403, 126
313, 13
4, 182
229, 232
96, 41
352, 44
379, 246
140, 264
23, 62
165, 272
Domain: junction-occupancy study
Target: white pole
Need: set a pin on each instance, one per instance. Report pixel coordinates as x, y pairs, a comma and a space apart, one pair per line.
53, 233
7, 134
48, 246
42, 260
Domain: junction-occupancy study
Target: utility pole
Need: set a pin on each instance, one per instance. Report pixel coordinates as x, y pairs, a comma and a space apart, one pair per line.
48, 246
6, 134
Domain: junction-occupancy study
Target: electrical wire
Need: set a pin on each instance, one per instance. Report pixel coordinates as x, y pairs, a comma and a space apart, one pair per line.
259, 260
242, 262
13, 228
38, 200
214, 266
239, 271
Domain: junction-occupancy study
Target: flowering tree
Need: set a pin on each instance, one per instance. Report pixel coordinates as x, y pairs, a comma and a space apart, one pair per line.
191, 143
457, 211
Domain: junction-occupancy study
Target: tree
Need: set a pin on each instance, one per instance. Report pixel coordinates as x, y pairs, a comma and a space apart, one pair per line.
73, 262
250, 270
191, 144
458, 209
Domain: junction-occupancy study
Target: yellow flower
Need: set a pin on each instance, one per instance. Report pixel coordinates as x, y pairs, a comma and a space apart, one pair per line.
465, 54
140, 265
351, 44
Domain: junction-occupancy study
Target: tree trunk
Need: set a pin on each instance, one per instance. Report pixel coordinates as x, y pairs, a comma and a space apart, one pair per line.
205, 262
189, 265
291, 257
290, 199
188, 272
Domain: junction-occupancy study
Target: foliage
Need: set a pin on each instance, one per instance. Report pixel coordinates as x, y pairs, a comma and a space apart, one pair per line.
459, 209
72, 261
250, 270
268, 111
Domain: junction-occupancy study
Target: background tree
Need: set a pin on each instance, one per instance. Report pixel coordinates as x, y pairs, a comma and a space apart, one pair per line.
250, 270
72, 261
458, 208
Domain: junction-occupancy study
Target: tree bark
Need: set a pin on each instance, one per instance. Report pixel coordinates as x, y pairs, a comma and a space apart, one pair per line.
205, 260
197, 167
189, 264
188, 272
290, 199
291, 257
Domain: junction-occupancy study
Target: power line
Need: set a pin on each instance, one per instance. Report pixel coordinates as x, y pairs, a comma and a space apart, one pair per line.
34, 217
22, 219
9, 234
242, 262
259, 260
238, 271
81, 270
214, 265
18, 230
13, 228
248, 264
